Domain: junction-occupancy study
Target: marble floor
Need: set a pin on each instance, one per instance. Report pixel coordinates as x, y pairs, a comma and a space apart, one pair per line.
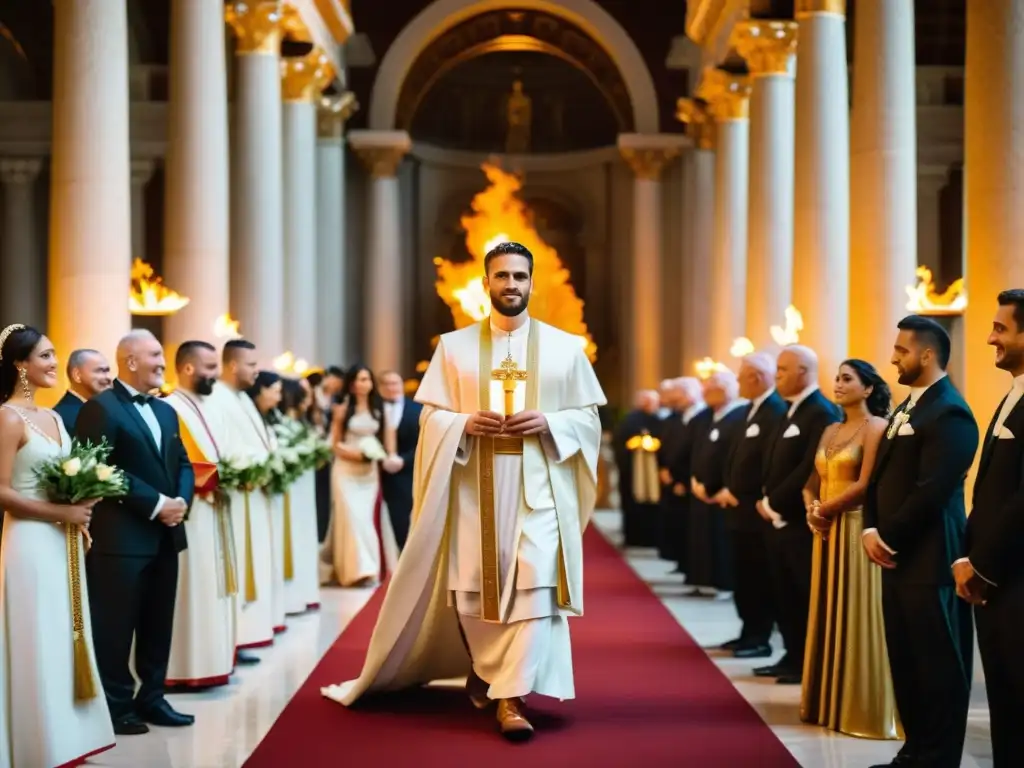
230, 721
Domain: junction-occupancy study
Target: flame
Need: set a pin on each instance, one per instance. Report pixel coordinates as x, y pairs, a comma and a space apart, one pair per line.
288, 363
791, 333
706, 367
500, 216
644, 442
149, 296
741, 347
923, 298
226, 327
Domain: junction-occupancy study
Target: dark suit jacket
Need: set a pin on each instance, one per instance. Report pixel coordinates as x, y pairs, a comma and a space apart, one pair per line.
915, 497
790, 459
712, 448
672, 431
995, 529
123, 526
68, 409
682, 461
407, 434
745, 468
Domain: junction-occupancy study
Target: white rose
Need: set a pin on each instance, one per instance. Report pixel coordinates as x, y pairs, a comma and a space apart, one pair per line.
104, 473
72, 467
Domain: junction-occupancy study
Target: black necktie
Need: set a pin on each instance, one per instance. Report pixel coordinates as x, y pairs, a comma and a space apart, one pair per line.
142, 399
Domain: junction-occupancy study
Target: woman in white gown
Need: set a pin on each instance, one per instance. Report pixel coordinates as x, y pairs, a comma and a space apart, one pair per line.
41, 723
353, 548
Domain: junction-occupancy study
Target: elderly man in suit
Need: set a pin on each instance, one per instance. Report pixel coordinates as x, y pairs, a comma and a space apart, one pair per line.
88, 375
397, 479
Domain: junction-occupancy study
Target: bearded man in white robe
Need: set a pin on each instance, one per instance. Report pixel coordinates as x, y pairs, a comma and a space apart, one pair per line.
203, 638
506, 479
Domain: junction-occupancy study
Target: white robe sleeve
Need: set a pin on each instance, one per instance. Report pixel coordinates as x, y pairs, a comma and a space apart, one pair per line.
576, 428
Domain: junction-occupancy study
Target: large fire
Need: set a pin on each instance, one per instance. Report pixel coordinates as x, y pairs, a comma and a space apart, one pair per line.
500, 216
924, 299
148, 296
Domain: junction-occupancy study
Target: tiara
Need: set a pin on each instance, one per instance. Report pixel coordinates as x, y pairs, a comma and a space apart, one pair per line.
7, 332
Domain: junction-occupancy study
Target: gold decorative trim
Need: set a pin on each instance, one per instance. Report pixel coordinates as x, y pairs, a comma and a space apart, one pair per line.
700, 126
648, 163
490, 569
292, 25
811, 7
303, 78
727, 95
257, 27
332, 114
767, 46
381, 162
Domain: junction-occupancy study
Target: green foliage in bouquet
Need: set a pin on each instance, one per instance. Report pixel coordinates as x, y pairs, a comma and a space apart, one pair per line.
241, 474
300, 445
82, 474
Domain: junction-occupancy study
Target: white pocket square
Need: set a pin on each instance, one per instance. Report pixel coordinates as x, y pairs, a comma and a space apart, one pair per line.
714, 435
905, 429
791, 431
753, 430
1004, 434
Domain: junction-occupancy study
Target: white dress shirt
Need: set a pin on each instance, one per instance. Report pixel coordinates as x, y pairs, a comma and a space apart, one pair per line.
146, 412
393, 412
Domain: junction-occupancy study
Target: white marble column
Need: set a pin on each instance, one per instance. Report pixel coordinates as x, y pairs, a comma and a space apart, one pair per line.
332, 287
768, 47
257, 196
883, 177
381, 152
821, 241
698, 232
23, 287
647, 156
727, 97
196, 195
90, 177
142, 172
993, 193
302, 80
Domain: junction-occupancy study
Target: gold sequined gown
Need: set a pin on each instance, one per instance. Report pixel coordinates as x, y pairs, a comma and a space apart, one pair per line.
847, 685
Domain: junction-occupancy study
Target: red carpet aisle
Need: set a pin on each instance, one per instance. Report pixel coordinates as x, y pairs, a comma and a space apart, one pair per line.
646, 695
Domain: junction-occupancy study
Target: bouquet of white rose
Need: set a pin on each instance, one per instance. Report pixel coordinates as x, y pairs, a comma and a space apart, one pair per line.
239, 473
312, 451
81, 475
371, 449
284, 467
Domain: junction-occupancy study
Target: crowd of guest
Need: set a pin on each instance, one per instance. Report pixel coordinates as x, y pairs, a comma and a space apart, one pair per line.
843, 523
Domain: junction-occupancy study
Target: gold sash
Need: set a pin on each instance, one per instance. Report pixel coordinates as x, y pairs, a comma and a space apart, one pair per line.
289, 563
490, 588
84, 685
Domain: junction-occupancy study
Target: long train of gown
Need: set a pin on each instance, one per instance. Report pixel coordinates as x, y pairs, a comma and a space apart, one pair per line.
847, 685
41, 724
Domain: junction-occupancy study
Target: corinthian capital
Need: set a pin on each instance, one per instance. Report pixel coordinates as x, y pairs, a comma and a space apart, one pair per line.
700, 125
333, 112
304, 77
809, 7
727, 96
380, 152
767, 46
648, 154
19, 170
256, 24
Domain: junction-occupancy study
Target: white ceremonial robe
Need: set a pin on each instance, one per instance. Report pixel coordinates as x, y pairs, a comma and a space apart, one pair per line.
542, 499
278, 609
303, 591
247, 438
203, 638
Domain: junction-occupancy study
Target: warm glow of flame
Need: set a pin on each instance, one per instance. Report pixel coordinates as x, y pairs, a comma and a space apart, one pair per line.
644, 442
706, 367
288, 363
791, 333
741, 347
500, 216
226, 327
149, 296
923, 299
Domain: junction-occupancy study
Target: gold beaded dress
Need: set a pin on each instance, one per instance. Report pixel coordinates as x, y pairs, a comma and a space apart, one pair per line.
847, 685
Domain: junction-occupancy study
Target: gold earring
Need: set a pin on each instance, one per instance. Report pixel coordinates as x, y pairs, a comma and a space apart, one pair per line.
24, 384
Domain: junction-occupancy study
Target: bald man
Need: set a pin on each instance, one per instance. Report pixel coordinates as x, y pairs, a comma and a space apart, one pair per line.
639, 516
133, 564
787, 466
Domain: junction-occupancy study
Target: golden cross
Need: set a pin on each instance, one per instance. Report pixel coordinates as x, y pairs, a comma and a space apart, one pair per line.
508, 375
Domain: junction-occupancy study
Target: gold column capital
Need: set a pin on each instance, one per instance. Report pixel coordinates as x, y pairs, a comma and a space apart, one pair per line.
648, 163
810, 7
767, 46
332, 114
727, 95
304, 77
700, 126
292, 25
257, 26
380, 161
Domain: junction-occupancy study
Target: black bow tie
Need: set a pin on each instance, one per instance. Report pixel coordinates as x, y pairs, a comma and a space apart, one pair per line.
142, 399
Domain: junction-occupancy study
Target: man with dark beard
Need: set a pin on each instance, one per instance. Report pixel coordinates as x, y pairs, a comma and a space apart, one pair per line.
505, 487
914, 522
991, 576
202, 641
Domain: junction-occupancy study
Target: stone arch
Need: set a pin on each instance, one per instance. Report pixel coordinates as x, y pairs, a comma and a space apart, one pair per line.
442, 15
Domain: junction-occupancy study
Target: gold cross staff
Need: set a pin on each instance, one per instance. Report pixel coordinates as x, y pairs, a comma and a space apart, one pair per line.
508, 375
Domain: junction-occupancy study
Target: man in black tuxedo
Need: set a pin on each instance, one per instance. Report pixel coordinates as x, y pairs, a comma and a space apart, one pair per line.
88, 375
914, 523
673, 434
991, 576
133, 564
695, 418
755, 602
786, 469
402, 415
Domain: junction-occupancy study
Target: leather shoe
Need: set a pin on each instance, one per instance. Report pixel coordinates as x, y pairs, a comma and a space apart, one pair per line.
130, 725
476, 689
732, 645
752, 652
162, 713
243, 659
789, 679
514, 726
772, 670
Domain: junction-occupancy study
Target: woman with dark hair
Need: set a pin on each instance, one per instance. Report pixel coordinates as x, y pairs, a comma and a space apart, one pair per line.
266, 395
41, 723
847, 685
353, 552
